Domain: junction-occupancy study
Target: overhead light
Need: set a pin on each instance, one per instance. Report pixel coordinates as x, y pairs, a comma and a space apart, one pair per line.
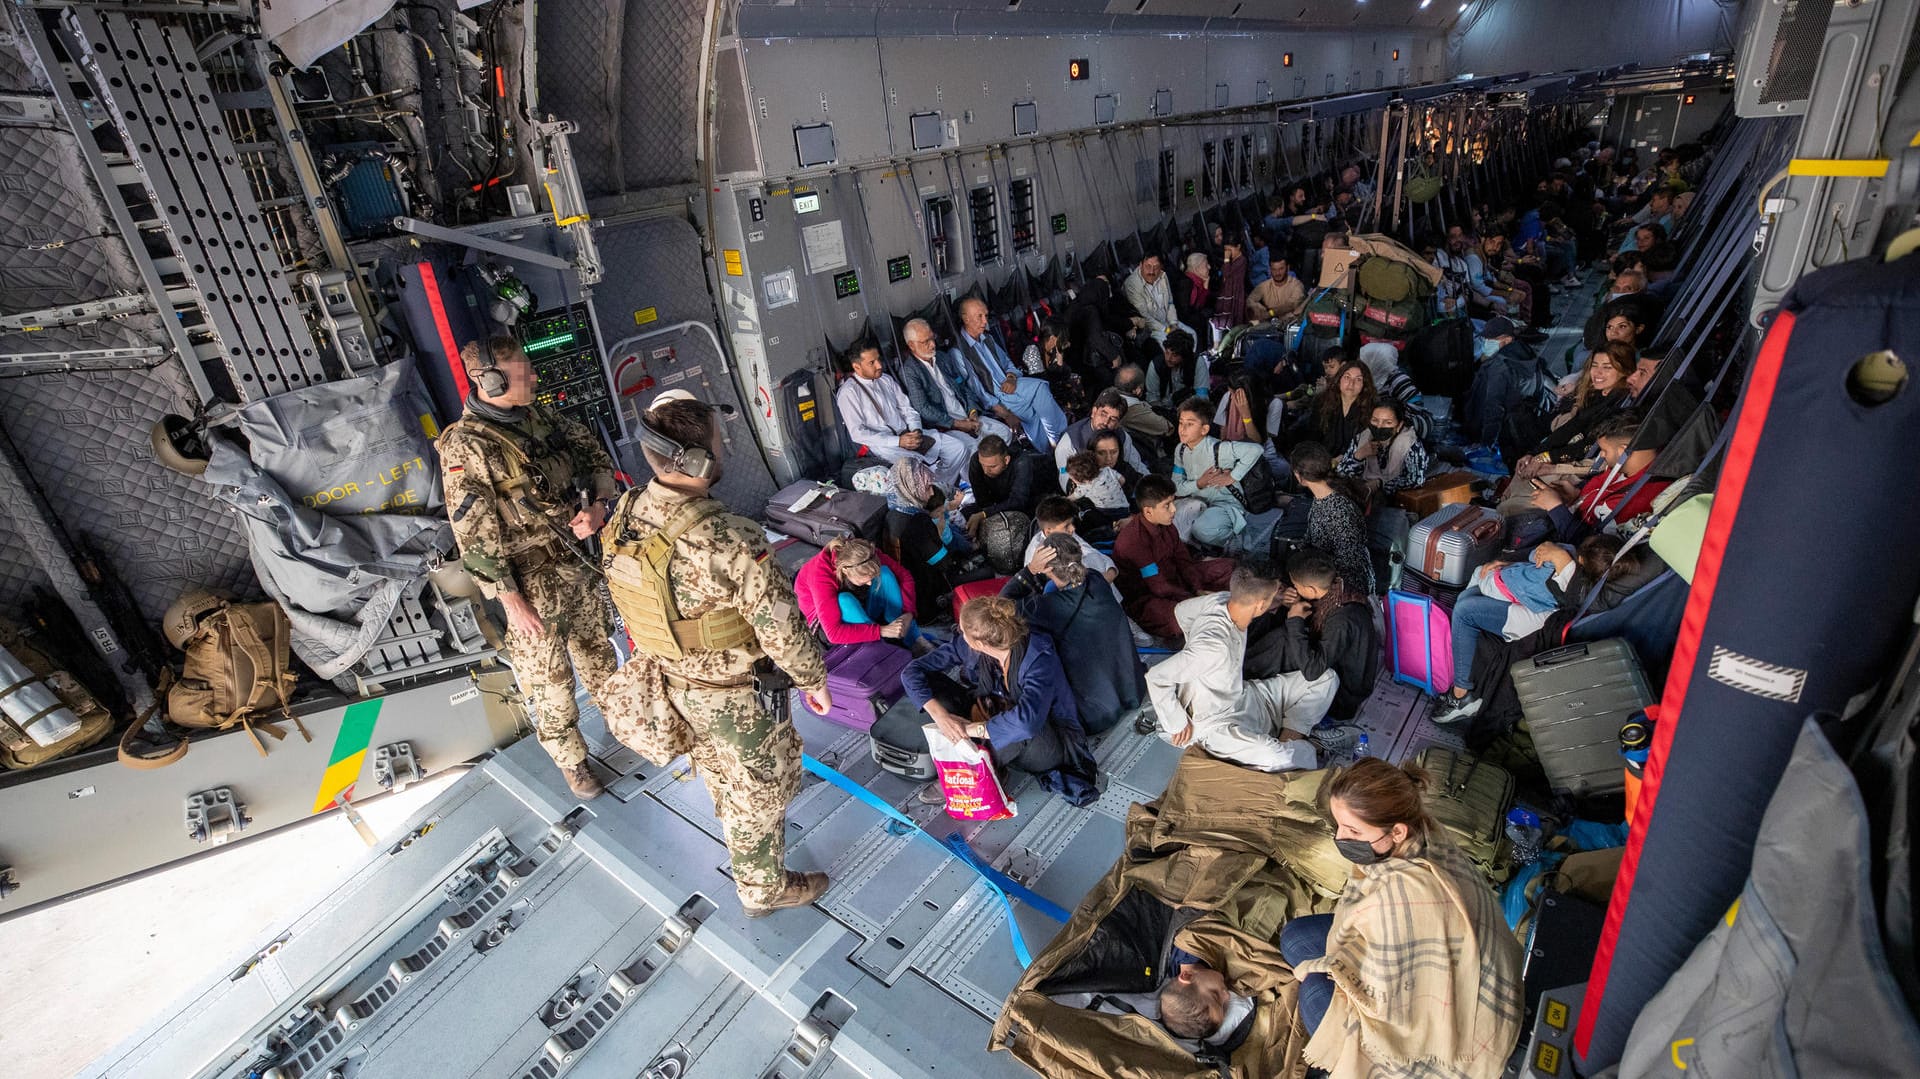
1424, 3
1463, 9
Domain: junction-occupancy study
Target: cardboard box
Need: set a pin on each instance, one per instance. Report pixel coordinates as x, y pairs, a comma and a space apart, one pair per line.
1443, 490
1336, 267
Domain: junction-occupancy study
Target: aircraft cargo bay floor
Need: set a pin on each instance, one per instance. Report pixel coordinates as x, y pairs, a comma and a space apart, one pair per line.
907, 953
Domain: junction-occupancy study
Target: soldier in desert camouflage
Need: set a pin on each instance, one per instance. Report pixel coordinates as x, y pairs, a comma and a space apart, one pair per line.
712, 615
519, 480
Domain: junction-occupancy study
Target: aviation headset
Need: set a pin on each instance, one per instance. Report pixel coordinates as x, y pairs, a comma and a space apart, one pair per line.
484, 372
692, 461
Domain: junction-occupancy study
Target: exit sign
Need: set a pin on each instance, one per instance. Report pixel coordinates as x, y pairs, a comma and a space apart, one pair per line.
805, 204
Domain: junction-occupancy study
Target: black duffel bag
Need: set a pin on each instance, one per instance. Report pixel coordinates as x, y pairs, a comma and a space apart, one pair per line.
1440, 358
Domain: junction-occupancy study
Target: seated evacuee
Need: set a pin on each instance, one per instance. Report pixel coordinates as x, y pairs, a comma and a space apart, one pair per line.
1081, 613
1247, 414
1512, 600
1098, 487
920, 521
1109, 448
1388, 456
1341, 412
1109, 409
1057, 515
1392, 383
1157, 571
882, 421
996, 669
940, 391
1335, 523
1415, 966
1322, 624
853, 593
1025, 404
1578, 511
1280, 296
1151, 295
1201, 697
1147, 426
1003, 481
1177, 372
1207, 473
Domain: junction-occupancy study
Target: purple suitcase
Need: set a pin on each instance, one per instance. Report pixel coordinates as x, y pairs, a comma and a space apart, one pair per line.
864, 680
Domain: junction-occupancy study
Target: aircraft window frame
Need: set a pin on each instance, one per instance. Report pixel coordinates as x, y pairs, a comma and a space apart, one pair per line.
1022, 215
983, 224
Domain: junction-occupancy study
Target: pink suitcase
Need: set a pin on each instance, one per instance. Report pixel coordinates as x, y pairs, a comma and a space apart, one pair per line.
1419, 642
864, 680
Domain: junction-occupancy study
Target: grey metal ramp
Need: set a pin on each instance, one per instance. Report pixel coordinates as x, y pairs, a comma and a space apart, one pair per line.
519, 934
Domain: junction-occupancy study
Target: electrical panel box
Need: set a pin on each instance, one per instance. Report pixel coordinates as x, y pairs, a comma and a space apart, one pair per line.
561, 346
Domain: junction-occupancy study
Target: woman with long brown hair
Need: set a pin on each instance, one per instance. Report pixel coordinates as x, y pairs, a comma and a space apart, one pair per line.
997, 682
1415, 970
1341, 411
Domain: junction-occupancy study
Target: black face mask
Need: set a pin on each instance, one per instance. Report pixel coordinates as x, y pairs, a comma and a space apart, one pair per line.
1359, 851
1384, 434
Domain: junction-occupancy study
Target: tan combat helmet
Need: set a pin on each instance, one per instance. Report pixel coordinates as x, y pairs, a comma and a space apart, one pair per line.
182, 619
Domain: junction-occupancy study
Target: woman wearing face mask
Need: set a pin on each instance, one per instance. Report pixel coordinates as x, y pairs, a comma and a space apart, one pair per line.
854, 593
1415, 965
1388, 456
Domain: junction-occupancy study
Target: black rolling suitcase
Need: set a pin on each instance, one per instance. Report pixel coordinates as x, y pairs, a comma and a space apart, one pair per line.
898, 743
819, 513
1575, 699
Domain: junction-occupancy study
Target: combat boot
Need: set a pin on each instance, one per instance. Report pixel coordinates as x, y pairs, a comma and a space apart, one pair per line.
801, 889
581, 780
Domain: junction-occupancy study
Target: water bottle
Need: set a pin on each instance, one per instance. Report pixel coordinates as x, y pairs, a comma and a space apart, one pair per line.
1523, 828
28, 704
1360, 748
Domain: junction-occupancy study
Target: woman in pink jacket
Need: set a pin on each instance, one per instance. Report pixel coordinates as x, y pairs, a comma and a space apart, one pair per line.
855, 594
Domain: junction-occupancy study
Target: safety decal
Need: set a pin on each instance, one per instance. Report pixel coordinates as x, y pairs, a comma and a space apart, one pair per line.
1762, 679
349, 752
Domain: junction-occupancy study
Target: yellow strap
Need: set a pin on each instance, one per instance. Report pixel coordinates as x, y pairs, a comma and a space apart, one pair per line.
1855, 168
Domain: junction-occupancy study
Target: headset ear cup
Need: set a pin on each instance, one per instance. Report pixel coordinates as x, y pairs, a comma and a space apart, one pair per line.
491, 381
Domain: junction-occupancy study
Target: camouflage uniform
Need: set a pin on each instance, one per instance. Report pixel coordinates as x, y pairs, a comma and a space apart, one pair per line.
507, 548
705, 704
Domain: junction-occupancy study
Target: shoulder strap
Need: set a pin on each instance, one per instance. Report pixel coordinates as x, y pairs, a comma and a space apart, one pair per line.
147, 762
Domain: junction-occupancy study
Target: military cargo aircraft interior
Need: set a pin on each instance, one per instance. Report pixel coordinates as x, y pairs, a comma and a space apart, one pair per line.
1101, 539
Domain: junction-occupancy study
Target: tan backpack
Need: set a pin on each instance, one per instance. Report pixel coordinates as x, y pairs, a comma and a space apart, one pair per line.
237, 672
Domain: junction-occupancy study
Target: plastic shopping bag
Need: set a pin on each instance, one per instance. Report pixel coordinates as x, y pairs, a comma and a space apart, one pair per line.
967, 779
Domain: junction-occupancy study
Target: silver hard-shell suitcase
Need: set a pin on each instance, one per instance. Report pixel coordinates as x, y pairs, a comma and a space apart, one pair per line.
1575, 699
1450, 543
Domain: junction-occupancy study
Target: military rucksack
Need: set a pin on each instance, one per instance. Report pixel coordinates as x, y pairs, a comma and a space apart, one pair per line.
236, 672
643, 592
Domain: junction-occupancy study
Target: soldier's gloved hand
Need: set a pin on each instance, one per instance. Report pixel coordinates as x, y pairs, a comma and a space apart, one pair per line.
819, 700
521, 617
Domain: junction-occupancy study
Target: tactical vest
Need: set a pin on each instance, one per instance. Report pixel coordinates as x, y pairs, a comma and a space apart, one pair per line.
524, 488
643, 592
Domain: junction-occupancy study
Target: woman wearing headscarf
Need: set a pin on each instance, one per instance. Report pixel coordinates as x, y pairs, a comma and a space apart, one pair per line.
1193, 297
924, 523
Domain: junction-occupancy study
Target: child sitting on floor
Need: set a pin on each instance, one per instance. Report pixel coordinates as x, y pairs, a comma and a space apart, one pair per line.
1100, 487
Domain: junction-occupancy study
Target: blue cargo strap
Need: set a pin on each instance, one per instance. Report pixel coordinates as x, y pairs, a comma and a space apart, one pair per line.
1005, 888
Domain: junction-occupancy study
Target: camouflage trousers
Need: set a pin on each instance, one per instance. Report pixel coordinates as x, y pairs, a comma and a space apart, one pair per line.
750, 759
567, 598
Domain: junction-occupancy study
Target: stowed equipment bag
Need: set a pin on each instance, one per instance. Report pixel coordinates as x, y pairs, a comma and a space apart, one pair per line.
237, 672
643, 593
17, 749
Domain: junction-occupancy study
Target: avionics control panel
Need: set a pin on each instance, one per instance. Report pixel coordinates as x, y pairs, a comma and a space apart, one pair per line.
561, 345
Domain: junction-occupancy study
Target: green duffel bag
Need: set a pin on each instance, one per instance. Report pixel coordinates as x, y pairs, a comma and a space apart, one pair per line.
1470, 799
1678, 536
1379, 278
1424, 188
